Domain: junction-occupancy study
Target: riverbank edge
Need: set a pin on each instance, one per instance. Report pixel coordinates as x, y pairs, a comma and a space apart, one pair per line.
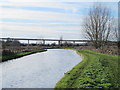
71, 77
18, 55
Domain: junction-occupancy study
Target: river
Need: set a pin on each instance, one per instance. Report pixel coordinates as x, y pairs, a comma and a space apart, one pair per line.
40, 70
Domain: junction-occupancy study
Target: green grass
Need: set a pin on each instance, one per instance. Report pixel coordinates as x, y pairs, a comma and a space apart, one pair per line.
18, 55
96, 70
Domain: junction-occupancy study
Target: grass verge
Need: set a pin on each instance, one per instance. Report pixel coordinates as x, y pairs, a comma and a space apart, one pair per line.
96, 70
18, 55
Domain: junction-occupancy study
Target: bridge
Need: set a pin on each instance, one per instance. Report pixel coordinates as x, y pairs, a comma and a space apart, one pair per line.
28, 47
44, 40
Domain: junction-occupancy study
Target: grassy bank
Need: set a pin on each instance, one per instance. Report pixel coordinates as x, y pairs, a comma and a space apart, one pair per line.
18, 55
95, 71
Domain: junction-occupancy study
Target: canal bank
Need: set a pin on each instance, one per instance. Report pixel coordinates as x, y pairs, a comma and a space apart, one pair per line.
18, 55
96, 70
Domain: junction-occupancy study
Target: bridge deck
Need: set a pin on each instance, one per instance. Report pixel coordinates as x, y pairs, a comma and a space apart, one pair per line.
44, 39
48, 40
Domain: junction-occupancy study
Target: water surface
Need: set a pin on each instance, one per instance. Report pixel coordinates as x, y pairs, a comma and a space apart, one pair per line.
40, 70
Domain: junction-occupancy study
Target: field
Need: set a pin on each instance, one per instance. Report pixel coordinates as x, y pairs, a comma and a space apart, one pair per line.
96, 70
18, 55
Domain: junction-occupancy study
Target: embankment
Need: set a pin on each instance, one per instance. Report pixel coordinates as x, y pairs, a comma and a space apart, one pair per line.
96, 70
18, 55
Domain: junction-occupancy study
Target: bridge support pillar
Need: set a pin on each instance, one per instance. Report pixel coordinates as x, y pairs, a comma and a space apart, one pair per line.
43, 42
74, 43
59, 42
28, 42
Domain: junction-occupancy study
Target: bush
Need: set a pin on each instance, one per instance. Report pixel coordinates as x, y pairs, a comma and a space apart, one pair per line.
6, 52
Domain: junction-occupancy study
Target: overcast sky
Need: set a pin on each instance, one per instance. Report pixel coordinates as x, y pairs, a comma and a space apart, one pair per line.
46, 18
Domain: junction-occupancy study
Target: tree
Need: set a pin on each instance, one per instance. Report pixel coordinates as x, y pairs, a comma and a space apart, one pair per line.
116, 36
98, 24
11, 42
114, 33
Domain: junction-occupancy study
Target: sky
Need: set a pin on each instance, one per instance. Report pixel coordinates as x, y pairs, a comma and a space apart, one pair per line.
47, 18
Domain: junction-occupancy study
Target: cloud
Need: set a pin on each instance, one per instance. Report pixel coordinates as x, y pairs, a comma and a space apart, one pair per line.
59, 0
32, 18
50, 27
21, 30
45, 6
37, 15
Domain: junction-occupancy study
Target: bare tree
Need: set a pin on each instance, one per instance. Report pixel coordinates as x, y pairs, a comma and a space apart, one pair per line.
98, 24
116, 35
114, 32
